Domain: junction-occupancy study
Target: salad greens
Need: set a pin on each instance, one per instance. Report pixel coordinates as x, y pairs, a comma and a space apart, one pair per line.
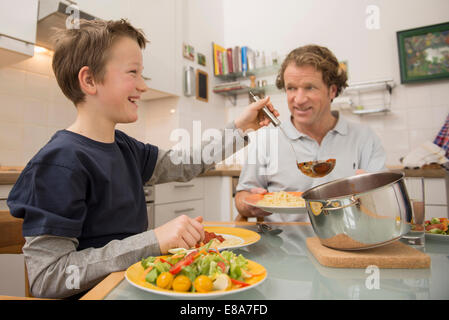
437, 226
198, 262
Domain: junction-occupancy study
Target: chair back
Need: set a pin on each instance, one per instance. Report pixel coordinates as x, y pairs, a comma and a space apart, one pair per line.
12, 240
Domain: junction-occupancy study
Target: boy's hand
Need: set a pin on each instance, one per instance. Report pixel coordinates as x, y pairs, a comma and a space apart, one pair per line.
182, 232
253, 117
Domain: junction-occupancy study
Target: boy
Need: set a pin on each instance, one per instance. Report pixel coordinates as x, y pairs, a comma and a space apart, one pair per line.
81, 196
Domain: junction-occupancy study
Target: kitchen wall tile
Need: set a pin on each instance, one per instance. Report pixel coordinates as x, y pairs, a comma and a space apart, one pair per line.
417, 95
35, 111
11, 108
37, 86
419, 136
11, 136
439, 93
396, 141
12, 81
35, 137
61, 114
11, 157
420, 118
439, 115
396, 119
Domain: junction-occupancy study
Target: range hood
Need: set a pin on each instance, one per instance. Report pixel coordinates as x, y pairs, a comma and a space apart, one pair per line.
53, 14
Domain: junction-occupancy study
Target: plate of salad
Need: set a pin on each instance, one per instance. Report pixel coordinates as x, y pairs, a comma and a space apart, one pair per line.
201, 273
437, 228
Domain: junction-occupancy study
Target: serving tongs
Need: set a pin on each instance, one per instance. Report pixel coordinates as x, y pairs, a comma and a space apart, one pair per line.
314, 169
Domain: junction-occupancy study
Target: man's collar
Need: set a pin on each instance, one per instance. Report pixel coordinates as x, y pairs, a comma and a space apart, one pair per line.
340, 127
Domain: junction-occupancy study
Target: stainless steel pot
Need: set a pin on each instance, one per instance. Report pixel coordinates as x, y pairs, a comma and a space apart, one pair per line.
360, 212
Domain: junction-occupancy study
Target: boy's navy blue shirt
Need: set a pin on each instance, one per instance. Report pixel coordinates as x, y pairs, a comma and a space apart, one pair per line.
82, 188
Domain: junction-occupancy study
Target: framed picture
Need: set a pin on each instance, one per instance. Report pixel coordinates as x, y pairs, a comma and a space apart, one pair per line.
201, 86
188, 52
424, 53
201, 59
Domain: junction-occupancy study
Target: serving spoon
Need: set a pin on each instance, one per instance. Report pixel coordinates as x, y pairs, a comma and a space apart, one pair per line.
314, 169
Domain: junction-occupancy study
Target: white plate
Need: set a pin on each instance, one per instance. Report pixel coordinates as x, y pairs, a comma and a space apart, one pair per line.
254, 198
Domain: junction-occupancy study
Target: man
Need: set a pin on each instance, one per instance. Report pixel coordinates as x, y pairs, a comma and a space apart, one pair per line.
312, 78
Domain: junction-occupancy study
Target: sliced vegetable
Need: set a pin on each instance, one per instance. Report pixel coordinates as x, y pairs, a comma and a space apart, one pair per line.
240, 283
183, 263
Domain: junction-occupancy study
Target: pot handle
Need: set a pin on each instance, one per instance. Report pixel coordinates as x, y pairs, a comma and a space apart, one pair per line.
317, 207
335, 205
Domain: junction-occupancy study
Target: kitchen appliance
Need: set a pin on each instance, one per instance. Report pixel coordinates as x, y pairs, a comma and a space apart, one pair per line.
148, 191
56, 14
360, 212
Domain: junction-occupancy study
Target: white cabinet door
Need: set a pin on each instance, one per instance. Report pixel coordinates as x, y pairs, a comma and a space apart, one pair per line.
179, 191
170, 211
435, 191
435, 212
18, 21
157, 19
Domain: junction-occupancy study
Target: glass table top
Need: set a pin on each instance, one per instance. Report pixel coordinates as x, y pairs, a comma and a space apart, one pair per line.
294, 273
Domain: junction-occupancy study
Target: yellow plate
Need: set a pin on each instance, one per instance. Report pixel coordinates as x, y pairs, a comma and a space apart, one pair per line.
234, 237
134, 275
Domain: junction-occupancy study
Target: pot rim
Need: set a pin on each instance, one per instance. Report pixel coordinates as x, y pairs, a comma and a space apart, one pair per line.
400, 176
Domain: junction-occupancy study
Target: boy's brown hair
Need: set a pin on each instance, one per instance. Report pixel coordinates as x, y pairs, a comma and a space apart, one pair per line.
88, 46
322, 59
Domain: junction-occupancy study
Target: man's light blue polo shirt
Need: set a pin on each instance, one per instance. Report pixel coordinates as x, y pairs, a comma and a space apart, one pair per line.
271, 163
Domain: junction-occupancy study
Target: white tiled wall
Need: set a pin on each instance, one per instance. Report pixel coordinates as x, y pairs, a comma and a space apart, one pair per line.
33, 108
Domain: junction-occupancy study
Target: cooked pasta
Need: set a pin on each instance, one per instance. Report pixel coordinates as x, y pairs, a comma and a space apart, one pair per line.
281, 199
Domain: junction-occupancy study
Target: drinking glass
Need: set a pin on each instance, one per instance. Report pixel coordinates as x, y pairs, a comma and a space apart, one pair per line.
416, 236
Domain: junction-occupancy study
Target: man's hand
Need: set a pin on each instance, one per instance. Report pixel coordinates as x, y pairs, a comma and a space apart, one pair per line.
181, 232
248, 210
253, 117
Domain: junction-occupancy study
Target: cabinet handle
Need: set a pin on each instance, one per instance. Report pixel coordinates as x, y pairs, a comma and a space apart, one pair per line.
184, 210
184, 185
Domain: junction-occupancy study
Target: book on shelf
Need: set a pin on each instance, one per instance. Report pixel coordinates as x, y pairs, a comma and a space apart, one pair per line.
218, 53
251, 59
244, 59
237, 59
230, 62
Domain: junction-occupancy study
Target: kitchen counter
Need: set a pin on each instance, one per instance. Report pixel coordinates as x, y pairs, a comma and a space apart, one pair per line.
294, 273
9, 175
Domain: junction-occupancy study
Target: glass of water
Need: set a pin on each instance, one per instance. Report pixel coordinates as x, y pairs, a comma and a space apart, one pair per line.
416, 236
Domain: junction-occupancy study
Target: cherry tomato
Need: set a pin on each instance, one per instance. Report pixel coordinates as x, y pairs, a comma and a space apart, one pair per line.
203, 284
164, 280
181, 283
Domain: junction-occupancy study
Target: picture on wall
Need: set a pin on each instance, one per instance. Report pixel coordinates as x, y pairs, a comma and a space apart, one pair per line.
202, 87
188, 51
201, 59
424, 53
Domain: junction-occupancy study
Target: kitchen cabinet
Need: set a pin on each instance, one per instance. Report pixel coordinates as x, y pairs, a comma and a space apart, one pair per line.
17, 31
178, 198
435, 195
157, 20
209, 196
105, 9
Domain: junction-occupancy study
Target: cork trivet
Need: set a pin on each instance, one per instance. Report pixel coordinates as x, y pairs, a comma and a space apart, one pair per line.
395, 255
